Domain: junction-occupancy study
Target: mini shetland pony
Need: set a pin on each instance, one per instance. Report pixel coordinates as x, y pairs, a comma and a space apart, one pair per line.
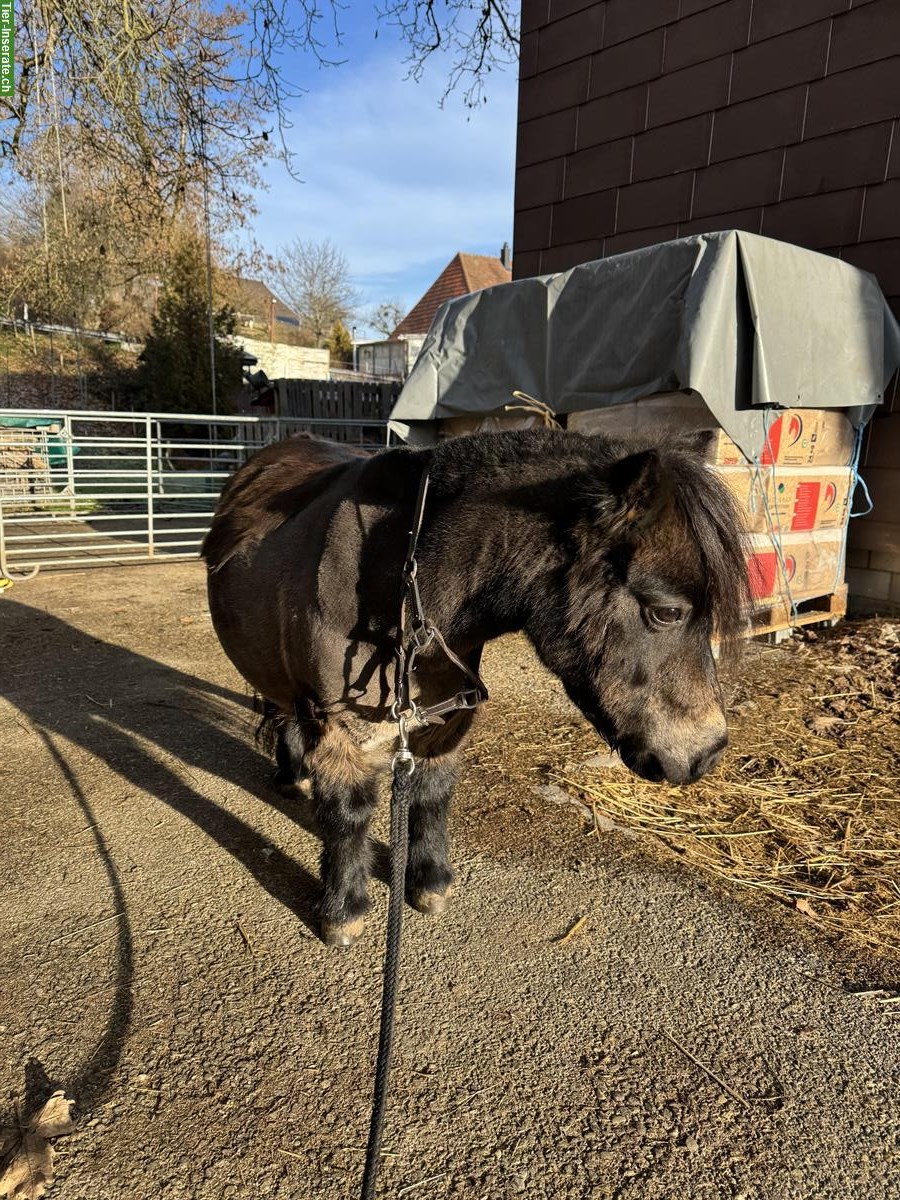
619, 562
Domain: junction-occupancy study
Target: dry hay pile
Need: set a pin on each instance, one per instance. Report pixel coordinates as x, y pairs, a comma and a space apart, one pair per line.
806, 805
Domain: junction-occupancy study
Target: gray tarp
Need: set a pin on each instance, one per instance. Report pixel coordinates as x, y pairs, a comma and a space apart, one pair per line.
745, 321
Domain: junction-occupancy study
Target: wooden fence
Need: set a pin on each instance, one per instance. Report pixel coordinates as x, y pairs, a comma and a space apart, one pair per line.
361, 407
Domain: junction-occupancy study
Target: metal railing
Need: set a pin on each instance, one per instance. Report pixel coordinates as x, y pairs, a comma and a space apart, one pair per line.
87, 488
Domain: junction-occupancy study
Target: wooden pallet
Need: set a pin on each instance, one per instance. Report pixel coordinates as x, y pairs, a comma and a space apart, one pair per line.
777, 620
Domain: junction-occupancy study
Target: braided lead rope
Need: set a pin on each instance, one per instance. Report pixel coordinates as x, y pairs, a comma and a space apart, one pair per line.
400, 788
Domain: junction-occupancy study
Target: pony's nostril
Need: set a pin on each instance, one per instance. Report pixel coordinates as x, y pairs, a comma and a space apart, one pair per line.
651, 768
708, 759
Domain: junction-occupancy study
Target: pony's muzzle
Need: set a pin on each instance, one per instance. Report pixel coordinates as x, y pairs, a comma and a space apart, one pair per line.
667, 768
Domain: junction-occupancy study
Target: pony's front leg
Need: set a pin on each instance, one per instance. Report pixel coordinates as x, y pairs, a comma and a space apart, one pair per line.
345, 793
429, 875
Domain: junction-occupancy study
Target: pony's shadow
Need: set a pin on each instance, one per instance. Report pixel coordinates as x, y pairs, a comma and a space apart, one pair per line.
144, 692
87, 674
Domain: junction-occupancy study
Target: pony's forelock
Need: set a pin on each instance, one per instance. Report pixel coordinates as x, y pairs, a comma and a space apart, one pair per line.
710, 512
704, 505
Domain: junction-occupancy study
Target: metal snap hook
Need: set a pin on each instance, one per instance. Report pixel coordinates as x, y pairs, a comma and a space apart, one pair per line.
403, 757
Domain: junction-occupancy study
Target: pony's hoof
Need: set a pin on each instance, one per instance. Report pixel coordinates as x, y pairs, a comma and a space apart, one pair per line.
294, 789
343, 936
432, 904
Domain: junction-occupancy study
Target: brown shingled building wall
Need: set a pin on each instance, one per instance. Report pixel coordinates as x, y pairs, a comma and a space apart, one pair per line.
645, 120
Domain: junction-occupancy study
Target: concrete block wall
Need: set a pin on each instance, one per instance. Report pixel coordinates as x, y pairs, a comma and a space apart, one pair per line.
280, 361
873, 553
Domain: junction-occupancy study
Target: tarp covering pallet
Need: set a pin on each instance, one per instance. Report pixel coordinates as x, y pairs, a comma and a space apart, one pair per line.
784, 353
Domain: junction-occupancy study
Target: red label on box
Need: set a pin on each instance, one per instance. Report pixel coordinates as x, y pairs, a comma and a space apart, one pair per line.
762, 568
765, 575
773, 439
806, 505
776, 432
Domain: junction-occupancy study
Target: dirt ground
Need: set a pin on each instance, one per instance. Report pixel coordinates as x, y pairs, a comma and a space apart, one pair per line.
157, 913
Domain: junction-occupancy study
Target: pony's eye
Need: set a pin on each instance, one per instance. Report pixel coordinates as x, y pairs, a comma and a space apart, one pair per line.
665, 615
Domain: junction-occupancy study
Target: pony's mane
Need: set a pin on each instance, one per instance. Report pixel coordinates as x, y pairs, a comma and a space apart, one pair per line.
457, 463
704, 504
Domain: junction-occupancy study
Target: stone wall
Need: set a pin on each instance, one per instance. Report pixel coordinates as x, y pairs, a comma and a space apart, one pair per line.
287, 362
38, 389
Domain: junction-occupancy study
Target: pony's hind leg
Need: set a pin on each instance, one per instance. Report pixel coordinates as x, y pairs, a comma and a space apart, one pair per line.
280, 734
429, 875
345, 792
291, 773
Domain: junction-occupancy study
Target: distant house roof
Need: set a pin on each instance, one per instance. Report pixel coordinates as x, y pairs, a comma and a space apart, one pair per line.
253, 298
463, 274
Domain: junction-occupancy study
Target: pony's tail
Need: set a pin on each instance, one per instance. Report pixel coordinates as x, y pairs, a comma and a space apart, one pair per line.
271, 720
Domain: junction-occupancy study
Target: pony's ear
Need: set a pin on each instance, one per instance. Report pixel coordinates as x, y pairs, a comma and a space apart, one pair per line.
699, 443
637, 488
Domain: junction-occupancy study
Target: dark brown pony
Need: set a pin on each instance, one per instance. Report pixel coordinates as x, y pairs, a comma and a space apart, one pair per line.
620, 563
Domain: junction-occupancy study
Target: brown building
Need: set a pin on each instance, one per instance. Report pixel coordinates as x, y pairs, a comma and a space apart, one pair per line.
645, 120
260, 312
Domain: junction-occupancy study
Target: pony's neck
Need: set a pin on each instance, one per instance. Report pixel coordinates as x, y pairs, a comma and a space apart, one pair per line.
491, 545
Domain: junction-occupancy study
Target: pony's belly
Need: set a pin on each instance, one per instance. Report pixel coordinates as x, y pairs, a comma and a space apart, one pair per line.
249, 639
285, 651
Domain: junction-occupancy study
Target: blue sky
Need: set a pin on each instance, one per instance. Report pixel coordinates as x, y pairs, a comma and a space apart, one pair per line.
397, 182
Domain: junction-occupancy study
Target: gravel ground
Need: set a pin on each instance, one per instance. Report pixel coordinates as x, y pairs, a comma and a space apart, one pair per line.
156, 905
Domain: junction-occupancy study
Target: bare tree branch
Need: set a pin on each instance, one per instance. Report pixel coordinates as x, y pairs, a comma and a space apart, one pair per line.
477, 36
385, 317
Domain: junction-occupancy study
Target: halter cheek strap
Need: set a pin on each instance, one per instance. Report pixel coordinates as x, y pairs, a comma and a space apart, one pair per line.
416, 634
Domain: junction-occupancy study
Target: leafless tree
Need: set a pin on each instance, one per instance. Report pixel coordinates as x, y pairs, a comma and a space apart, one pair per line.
163, 99
313, 279
385, 317
151, 88
131, 115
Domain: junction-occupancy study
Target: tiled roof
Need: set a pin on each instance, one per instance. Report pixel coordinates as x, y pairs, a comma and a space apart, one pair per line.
463, 274
253, 298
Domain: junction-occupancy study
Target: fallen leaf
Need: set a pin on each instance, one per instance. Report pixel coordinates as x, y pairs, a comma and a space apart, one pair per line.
26, 1156
826, 725
54, 1119
806, 908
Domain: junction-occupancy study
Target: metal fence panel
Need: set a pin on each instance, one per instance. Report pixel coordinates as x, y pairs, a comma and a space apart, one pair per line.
85, 488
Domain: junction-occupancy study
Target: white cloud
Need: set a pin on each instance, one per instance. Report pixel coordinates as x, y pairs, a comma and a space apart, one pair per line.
398, 183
